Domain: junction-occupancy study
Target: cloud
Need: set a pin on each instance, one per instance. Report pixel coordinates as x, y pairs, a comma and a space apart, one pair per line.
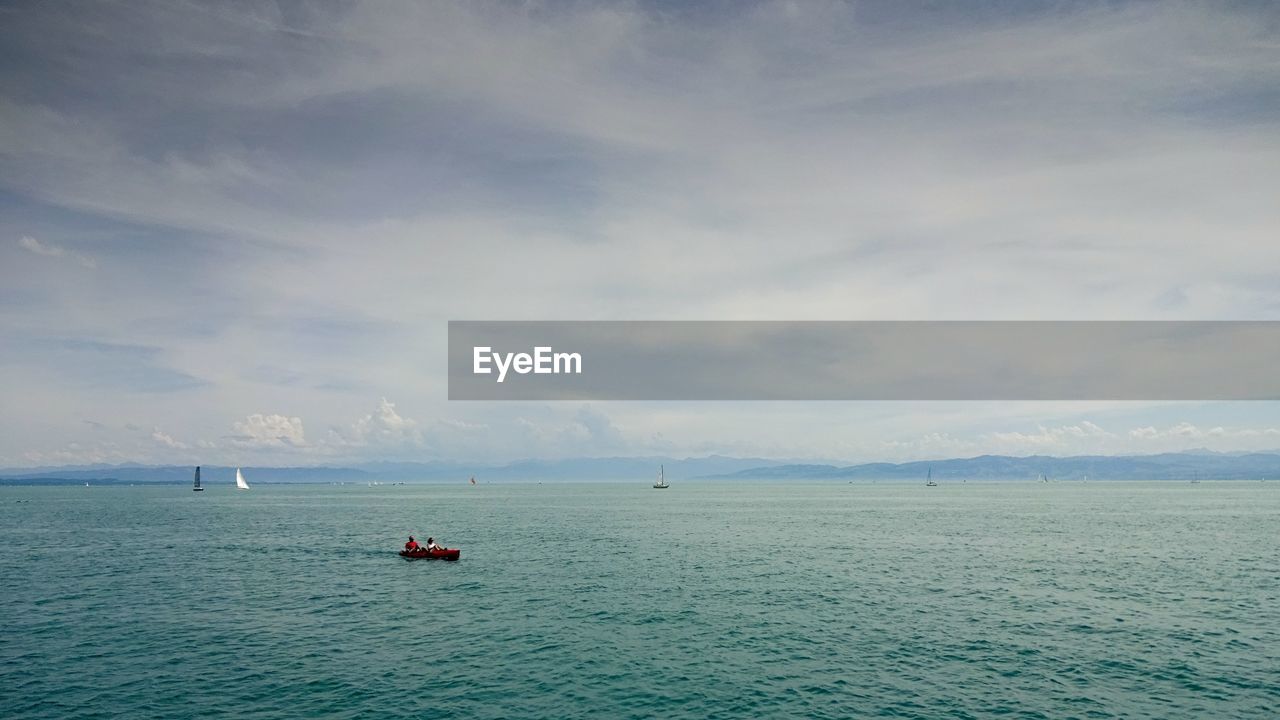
269, 431
1049, 439
293, 202
130, 367
589, 431
934, 444
33, 245
167, 440
1188, 431
77, 453
384, 427
601, 433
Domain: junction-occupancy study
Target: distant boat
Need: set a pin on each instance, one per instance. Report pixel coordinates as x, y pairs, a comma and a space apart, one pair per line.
662, 481
928, 481
240, 483
86, 484
197, 488
473, 479
1195, 480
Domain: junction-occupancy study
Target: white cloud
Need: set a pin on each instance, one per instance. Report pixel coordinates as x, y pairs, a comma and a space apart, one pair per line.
1188, 431
554, 433
463, 425
269, 431
928, 445
1077, 437
76, 453
384, 427
33, 245
167, 440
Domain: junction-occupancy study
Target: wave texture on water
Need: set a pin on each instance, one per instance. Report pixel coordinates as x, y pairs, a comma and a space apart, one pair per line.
709, 600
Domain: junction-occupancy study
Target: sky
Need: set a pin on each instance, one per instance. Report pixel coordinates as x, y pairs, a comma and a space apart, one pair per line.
234, 233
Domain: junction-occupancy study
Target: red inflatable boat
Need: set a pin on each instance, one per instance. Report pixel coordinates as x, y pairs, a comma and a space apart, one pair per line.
423, 553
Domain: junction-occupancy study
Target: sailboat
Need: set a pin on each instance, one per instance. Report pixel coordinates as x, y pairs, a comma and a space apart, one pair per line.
473, 479
662, 481
240, 483
197, 488
928, 481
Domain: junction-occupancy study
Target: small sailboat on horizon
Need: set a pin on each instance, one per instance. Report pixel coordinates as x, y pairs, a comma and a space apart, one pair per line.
197, 487
240, 483
662, 481
928, 480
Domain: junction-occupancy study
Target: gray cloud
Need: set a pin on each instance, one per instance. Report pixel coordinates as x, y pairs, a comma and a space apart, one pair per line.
96, 364
316, 188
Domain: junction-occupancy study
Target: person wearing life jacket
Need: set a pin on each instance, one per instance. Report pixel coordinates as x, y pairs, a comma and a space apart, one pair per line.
412, 545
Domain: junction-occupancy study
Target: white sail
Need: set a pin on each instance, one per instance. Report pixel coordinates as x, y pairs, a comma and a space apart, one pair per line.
240, 483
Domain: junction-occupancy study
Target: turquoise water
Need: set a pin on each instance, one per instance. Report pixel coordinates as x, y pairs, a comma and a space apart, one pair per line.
703, 601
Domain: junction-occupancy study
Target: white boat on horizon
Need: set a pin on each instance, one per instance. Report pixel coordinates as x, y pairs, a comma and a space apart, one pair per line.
240, 483
662, 481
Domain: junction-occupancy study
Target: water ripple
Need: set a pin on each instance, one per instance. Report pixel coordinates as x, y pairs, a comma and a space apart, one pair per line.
580, 601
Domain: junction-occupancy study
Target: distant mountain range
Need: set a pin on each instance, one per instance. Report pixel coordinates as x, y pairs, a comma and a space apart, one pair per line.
1169, 466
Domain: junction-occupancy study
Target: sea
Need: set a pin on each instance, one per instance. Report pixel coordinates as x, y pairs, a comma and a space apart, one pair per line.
615, 600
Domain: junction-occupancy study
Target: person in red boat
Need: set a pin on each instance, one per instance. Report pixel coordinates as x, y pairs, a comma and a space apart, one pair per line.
431, 544
412, 544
